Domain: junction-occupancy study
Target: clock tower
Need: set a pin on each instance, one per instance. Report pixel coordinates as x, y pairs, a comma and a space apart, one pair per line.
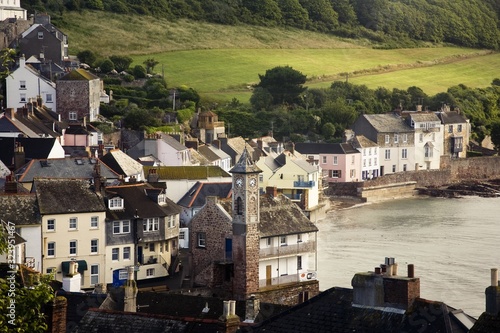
246, 235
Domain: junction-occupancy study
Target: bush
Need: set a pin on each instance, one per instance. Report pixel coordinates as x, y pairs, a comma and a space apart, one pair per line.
107, 66
128, 78
139, 72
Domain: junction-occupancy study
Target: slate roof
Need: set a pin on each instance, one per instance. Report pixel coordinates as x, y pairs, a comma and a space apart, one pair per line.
486, 323
78, 304
362, 141
208, 153
451, 117
173, 142
121, 163
238, 144
22, 209
197, 158
332, 311
423, 117
318, 148
281, 216
196, 196
187, 172
4, 171
387, 123
137, 200
61, 196
63, 168
34, 148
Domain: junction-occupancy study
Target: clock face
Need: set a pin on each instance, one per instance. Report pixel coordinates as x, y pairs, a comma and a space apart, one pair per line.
253, 182
239, 182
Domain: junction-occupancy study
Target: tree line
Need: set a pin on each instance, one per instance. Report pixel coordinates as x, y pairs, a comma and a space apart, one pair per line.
390, 23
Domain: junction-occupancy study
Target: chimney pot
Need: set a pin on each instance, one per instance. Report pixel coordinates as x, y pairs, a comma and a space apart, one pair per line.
377, 270
411, 271
384, 268
494, 277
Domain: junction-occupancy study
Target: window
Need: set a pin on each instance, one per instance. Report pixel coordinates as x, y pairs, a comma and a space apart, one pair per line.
22, 84
335, 173
450, 128
73, 223
283, 240
459, 128
299, 238
122, 274
375, 161
404, 167
51, 270
72, 247
151, 224
115, 203
421, 137
171, 221
22, 97
201, 239
335, 160
387, 154
364, 163
364, 152
353, 159
94, 221
162, 199
374, 151
94, 274
73, 116
48, 98
115, 254
40, 34
394, 168
261, 178
121, 227
405, 138
299, 262
150, 272
268, 241
126, 253
51, 225
323, 158
152, 247
404, 153
396, 138
387, 139
428, 151
433, 136
353, 173
239, 206
94, 246
51, 249
369, 162
182, 234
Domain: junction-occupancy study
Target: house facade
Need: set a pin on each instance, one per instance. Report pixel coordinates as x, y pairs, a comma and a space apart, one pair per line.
164, 147
394, 137
78, 96
73, 229
428, 139
25, 84
209, 127
369, 156
12, 9
456, 133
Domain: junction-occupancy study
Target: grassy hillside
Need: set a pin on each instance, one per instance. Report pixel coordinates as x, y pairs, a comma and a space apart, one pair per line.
223, 61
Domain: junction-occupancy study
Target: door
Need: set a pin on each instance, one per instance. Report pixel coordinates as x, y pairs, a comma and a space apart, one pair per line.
381, 170
139, 255
268, 275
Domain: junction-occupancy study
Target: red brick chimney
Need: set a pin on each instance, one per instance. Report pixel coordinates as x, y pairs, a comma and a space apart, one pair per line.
10, 184
57, 316
272, 191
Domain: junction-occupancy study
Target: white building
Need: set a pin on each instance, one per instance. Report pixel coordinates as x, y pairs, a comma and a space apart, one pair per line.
428, 139
12, 9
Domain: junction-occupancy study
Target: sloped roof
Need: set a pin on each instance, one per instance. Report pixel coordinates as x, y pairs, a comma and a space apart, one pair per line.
173, 142
387, 123
79, 74
124, 322
34, 148
281, 216
22, 209
75, 168
187, 172
362, 141
219, 152
137, 201
318, 148
208, 153
197, 195
423, 117
60, 196
486, 323
121, 163
197, 158
79, 303
10, 125
332, 311
238, 144
451, 117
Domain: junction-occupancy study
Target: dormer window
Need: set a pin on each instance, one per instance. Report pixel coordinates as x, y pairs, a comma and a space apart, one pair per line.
162, 199
115, 203
40, 35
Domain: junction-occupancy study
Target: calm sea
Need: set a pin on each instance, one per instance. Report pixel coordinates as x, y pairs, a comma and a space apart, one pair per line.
453, 244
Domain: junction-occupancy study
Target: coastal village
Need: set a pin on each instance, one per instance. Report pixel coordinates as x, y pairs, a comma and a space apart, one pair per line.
201, 231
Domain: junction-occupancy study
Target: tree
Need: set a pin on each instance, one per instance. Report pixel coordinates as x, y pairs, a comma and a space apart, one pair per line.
107, 66
261, 99
495, 134
139, 72
150, 65
122, 63
284, 83
87, 56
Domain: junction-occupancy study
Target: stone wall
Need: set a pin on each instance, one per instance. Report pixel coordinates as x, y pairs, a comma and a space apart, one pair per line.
288, 294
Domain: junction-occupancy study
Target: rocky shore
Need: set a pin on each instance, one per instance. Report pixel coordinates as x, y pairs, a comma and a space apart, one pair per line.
487, 188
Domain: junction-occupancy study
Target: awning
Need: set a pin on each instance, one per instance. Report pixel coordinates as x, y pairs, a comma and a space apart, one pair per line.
82, 266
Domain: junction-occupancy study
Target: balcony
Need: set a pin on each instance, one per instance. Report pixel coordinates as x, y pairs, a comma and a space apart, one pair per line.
153, 260
290, 278
308, 184
287, 250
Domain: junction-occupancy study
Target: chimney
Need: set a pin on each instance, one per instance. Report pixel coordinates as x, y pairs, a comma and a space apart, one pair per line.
419, 108
57, 317
493, 294
10, 113
252, 309
19, 156
130, 300
272, 191
384, 288
72, 281
229, 321
10, 184
212, 199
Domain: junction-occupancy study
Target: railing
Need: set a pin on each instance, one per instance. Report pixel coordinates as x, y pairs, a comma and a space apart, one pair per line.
299, 183
155, 259
289, 278
287, 250
292, 196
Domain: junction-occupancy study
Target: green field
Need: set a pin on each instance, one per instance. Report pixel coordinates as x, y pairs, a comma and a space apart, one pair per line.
222, 62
